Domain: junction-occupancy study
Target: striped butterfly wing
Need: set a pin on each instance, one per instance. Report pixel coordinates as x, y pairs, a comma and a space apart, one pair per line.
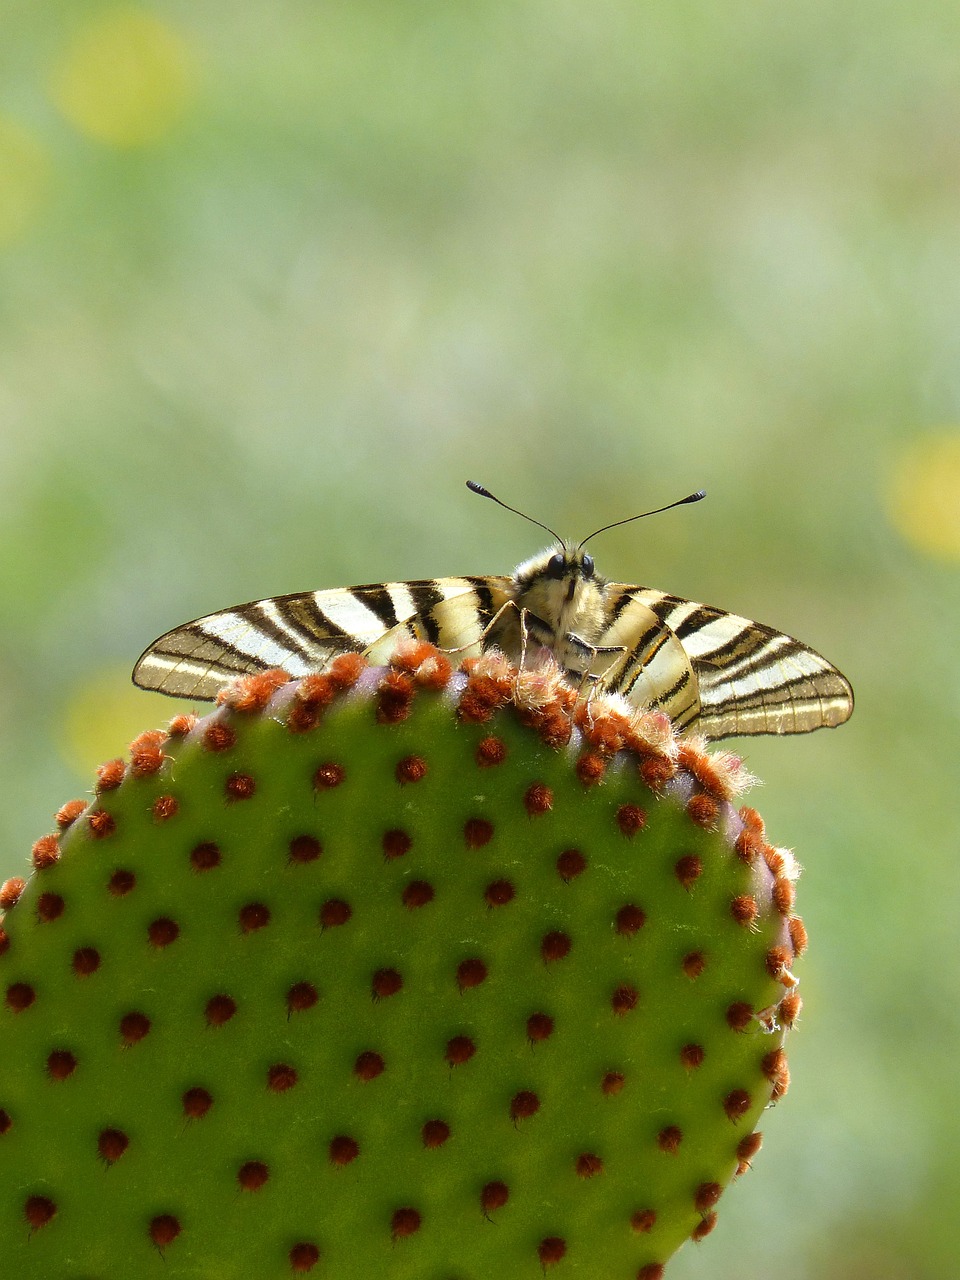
716, 672
301, 633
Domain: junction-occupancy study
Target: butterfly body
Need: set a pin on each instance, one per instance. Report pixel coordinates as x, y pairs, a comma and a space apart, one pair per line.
557, 601
713, 671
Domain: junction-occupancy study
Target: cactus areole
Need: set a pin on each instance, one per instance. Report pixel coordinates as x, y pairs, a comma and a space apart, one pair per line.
405, 973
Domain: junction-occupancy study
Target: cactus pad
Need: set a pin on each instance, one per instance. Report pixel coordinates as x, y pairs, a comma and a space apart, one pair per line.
401, 973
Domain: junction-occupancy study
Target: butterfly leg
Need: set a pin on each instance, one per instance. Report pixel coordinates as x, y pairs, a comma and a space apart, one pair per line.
591, 652
496, 623
526, 621
597, 680
530, 624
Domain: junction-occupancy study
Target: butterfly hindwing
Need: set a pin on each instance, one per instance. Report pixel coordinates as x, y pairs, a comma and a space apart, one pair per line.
642, 659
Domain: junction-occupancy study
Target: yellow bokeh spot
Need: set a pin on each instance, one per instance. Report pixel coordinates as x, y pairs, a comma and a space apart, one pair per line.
125, 80
924, 496
24, 175
105, 714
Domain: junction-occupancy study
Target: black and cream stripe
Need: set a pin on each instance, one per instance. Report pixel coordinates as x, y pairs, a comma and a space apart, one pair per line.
712, 671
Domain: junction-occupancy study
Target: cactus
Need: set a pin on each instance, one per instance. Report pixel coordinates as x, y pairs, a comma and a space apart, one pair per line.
397, 973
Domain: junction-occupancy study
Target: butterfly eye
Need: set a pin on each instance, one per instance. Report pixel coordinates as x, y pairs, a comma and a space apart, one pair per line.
588, 566
555, 566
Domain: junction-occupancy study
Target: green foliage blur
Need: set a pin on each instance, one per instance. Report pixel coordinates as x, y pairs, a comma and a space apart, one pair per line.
275, 279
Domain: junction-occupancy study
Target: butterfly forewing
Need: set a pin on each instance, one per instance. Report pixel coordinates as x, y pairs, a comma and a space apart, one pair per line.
301, 633
749, 678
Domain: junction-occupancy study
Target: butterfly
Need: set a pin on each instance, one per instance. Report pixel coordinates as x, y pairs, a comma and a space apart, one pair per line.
713, 672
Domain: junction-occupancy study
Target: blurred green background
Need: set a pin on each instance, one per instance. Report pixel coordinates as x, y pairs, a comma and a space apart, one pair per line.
275, 279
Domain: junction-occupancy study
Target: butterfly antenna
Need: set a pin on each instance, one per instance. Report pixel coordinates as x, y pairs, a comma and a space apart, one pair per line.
485, 493
691, 497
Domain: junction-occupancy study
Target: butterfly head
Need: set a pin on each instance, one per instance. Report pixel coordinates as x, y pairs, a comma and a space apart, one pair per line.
561, 587
564, 571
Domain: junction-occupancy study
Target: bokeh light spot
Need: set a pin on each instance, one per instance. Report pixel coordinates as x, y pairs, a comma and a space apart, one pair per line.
24, 175
924, 494
105, 714
125, 80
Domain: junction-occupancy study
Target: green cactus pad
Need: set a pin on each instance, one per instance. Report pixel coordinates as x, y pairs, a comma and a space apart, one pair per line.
409, 974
